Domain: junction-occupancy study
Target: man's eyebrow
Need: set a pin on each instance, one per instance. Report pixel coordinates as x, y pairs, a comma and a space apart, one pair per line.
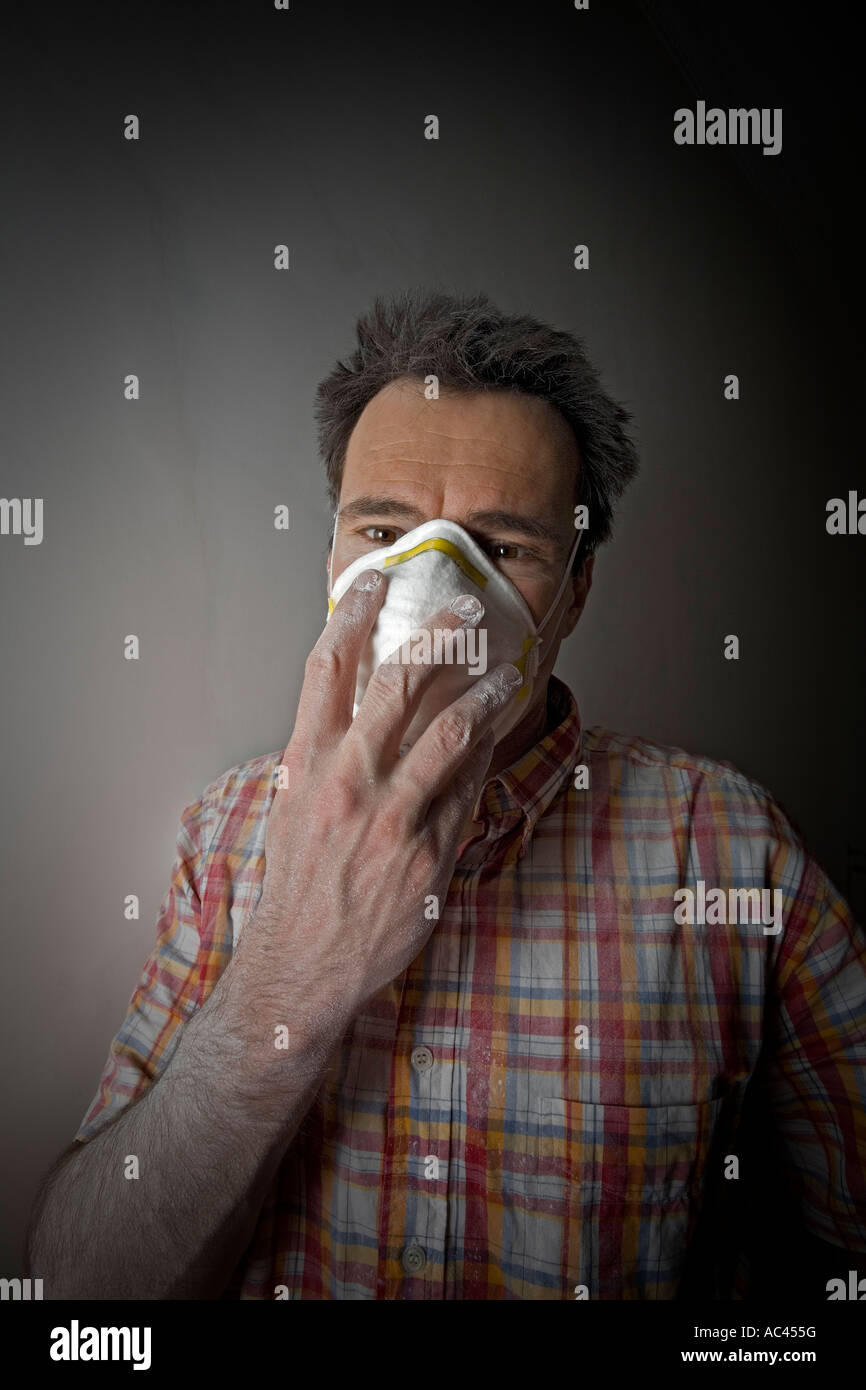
513, 521
380, 506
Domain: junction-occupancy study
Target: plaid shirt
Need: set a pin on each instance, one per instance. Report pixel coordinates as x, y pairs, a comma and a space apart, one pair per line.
470, 1141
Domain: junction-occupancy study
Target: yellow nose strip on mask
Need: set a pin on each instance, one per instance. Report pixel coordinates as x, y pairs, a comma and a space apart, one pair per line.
447, 548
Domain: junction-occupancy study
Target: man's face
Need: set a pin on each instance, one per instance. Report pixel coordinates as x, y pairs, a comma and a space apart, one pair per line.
503, 466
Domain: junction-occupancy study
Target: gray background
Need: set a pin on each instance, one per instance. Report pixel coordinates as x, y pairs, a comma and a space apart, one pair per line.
157, 258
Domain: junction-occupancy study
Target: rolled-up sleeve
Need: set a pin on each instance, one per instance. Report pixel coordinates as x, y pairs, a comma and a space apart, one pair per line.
816, 1072
166, 993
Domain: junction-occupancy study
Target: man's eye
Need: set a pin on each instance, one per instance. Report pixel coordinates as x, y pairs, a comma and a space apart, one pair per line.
380, 534
502, 550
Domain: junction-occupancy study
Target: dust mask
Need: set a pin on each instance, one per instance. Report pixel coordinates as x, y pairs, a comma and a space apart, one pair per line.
426, 570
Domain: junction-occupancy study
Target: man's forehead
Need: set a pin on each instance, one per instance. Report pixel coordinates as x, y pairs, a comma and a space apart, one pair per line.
509, 431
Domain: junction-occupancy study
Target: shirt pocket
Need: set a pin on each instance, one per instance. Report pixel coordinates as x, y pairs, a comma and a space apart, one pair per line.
621, 1187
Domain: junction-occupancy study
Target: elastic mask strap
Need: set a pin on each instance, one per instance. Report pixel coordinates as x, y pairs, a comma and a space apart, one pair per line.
565, 579
331, 556
534, 659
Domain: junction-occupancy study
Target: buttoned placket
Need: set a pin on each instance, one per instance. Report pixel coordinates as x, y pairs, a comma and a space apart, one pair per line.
424, 1248
432, 1203
434, 1060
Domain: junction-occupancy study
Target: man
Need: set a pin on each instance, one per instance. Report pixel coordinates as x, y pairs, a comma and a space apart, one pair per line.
482, 1012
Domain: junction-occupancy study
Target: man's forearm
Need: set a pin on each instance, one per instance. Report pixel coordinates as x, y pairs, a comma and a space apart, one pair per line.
208, 1137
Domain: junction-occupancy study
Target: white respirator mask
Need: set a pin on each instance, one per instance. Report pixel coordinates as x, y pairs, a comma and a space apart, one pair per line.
426, 570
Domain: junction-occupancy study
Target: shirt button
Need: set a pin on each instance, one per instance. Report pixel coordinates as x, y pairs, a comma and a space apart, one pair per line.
422, 1060
413, 1259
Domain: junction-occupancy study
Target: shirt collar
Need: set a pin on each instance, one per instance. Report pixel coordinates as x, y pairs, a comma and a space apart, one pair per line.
525, 789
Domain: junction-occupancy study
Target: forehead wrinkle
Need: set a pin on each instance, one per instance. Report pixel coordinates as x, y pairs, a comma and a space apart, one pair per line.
489, 466
473, 438
443, 434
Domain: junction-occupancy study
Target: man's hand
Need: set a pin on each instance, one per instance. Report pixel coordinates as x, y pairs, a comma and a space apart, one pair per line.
360, 836
354, 844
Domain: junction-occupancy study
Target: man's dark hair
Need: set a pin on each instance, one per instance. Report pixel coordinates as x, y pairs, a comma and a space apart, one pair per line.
470, 345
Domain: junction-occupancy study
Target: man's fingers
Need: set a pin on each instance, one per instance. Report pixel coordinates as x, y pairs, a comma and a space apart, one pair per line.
396, 687
427, 769
448, 811
331, 671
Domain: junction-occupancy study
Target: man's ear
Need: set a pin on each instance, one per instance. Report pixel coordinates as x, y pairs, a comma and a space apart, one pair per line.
581, 585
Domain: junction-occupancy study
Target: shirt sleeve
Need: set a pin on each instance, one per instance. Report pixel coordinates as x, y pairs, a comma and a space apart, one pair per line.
816, 1072
167, 991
